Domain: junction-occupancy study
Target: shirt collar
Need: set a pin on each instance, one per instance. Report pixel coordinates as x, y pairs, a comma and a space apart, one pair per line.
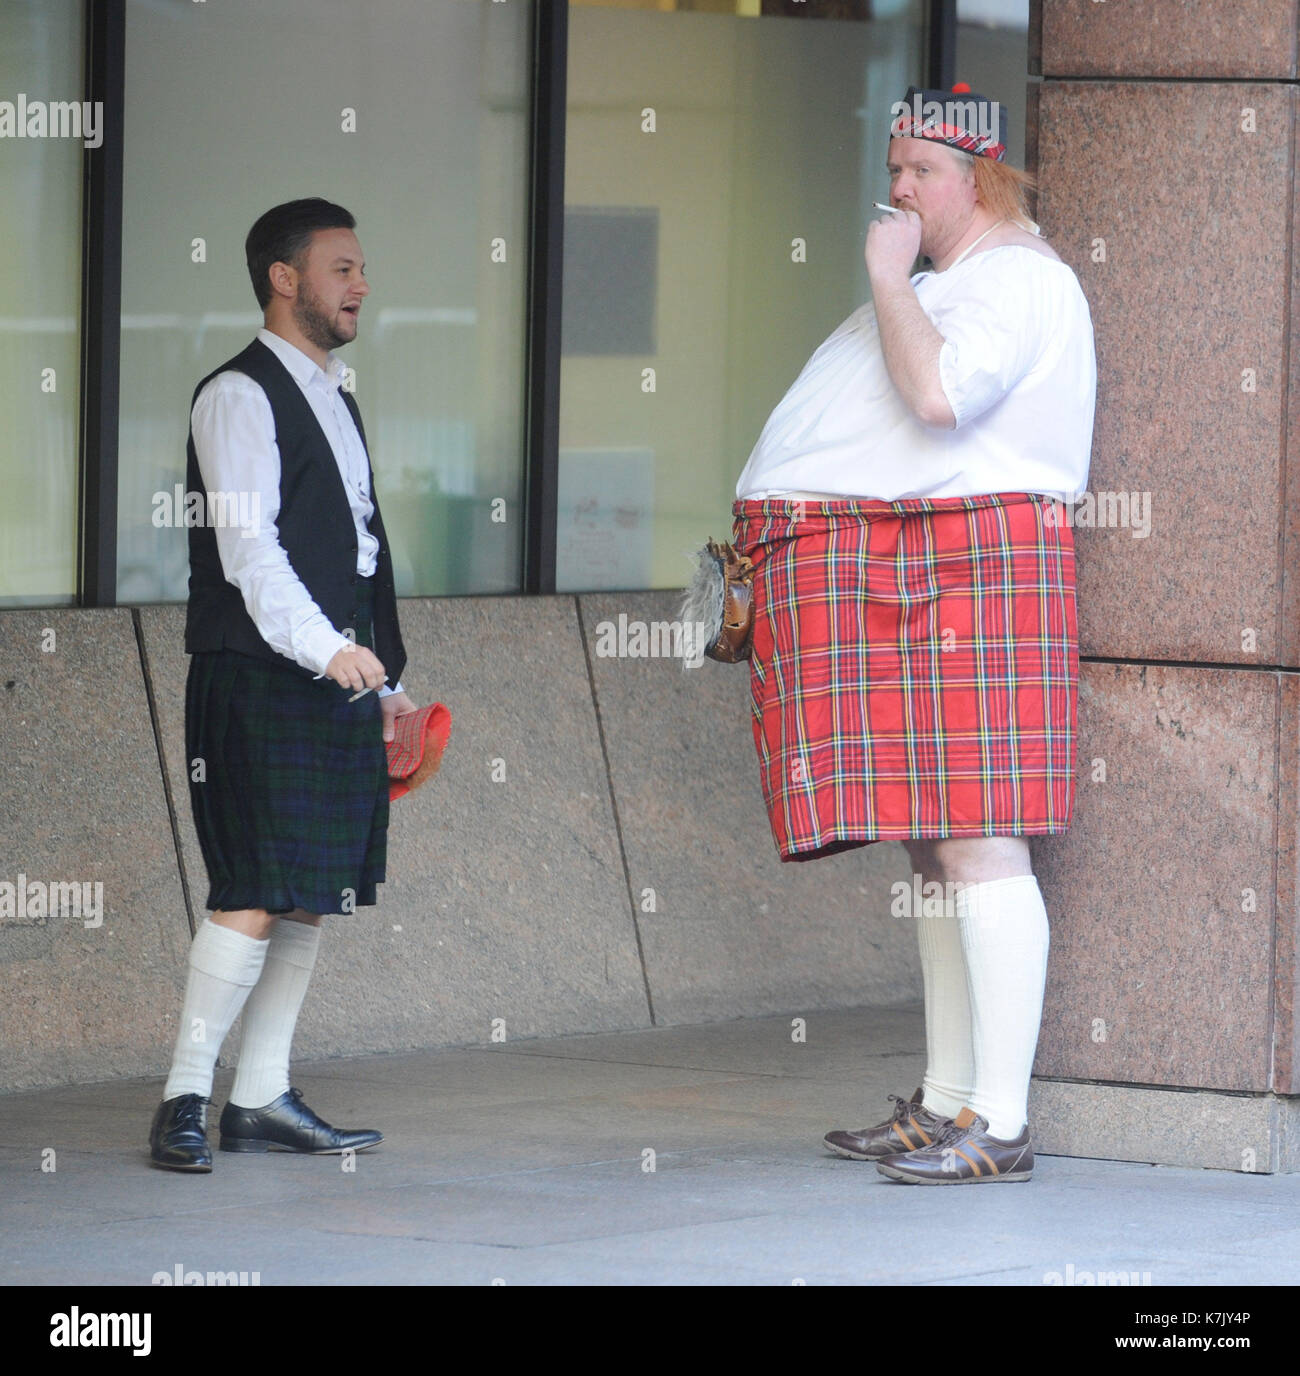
303, 369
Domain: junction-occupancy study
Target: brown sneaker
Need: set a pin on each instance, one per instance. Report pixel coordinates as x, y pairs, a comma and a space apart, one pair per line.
911, 1128
963, 1153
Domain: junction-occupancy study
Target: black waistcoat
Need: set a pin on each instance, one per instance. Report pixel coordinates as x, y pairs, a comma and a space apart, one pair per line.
315, 526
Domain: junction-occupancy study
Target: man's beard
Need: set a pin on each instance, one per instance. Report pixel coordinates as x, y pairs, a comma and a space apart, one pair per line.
936, 234
311, 319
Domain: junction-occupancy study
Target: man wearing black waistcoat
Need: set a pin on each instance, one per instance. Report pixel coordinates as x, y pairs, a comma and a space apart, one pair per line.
293, 636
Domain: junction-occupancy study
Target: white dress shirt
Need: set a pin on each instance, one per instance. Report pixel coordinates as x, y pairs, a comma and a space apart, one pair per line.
234, 441
1017, 367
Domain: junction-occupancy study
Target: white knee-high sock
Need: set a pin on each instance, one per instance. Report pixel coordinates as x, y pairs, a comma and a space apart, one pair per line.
271, 1014
224, 966
949, 1051
1005, 936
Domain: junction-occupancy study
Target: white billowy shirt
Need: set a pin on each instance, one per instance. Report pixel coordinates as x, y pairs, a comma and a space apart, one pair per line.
234, 442
1017, 367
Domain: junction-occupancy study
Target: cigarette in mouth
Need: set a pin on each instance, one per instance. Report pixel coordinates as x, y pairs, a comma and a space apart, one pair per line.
893, 209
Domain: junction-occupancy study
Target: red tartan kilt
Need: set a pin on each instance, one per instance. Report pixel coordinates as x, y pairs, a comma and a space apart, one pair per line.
915, 668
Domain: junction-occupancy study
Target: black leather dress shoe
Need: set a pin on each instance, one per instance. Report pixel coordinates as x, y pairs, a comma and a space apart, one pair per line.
287, 1124
178, 1139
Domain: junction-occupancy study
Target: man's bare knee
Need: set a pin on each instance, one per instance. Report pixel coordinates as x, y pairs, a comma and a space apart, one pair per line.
302, 915
254, 922
923, 858
979, 859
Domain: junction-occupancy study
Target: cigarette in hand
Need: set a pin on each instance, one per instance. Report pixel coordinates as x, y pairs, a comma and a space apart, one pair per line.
363, 692
893, 209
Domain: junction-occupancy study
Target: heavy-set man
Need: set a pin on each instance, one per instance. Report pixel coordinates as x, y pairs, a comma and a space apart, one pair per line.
292, 631
915, 655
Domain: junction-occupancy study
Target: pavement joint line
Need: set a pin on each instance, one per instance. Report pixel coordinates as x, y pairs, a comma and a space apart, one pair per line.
725, 1074
559, 1052
306, 1068
669, 1065
491, 1098
558, 1048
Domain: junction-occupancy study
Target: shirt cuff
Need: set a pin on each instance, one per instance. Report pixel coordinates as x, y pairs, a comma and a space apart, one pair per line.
321, 646
387, 692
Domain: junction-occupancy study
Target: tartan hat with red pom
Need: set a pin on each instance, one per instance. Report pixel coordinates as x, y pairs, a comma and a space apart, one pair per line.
961, 118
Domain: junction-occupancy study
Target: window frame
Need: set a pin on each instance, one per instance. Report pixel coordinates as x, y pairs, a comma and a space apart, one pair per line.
101, 287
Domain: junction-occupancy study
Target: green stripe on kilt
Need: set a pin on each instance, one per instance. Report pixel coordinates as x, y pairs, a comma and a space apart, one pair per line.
291, 808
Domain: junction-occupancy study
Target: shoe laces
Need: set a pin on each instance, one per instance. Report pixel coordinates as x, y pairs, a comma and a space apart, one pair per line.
307, 1111
193, 1106
948, 1132
903, 1108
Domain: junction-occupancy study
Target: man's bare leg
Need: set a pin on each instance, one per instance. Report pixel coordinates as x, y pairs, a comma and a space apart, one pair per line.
976, 859
258, 923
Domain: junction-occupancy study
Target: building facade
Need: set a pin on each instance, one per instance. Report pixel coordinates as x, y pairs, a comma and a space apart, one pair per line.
602, 239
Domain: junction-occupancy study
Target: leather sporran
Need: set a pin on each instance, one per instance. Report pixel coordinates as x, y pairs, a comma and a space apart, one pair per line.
721, 599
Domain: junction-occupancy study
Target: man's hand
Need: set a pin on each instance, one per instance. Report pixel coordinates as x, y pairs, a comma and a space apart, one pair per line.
354, 667
394, 705
892, 245
909, 341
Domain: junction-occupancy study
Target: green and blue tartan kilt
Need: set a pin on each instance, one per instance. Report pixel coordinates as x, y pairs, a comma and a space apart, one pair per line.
292, 806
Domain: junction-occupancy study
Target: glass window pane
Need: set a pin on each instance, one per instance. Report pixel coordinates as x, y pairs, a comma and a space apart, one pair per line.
993, 59
40, 297
720, 170
412, 114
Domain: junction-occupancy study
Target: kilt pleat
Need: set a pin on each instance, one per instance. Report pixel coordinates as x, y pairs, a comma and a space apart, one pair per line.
914, 669
291, 808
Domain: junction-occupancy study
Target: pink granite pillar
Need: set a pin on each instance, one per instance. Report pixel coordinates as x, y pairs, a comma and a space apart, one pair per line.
1163, 136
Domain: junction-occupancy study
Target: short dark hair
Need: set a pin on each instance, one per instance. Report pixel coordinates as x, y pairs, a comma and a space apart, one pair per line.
283, 235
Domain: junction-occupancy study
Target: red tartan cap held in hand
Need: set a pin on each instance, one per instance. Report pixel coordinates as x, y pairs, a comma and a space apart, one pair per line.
415, 752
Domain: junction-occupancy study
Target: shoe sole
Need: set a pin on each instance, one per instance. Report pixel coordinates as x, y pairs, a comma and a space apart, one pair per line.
257, 1144
894, 1173
197, 1168
855, 1155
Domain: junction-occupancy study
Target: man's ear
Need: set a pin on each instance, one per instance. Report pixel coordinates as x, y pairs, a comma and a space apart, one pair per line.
283, 279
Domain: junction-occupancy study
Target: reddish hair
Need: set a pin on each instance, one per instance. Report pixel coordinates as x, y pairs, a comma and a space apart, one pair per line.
1001, 189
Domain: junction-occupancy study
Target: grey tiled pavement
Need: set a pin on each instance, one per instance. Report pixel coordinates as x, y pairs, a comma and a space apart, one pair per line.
526, 1162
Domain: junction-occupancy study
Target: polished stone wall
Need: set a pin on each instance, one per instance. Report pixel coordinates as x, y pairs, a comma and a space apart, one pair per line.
1171, 191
